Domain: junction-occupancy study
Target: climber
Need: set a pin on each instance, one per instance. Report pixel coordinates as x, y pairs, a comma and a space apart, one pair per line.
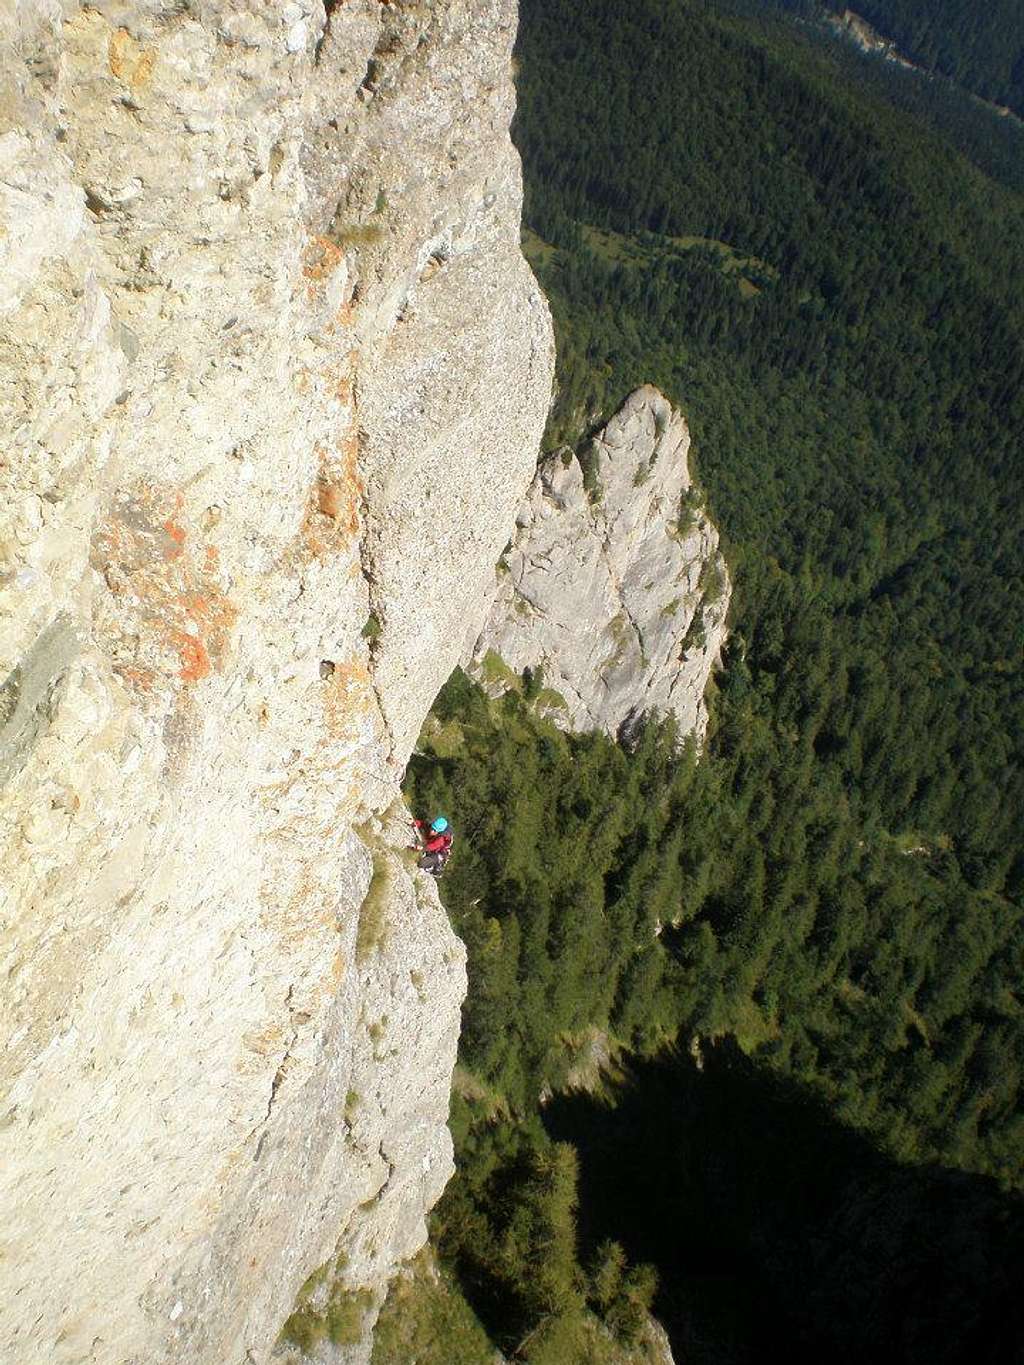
435, 840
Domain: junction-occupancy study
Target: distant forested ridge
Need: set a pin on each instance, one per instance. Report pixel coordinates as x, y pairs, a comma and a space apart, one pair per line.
978, 44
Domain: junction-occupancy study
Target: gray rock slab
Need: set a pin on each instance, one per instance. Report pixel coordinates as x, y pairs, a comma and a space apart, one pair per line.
614, 584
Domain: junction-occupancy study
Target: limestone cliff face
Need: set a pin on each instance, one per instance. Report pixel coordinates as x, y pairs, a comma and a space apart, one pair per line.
258, 265
614, 584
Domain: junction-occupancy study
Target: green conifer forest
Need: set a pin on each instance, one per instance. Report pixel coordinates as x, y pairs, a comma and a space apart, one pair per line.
744, 1036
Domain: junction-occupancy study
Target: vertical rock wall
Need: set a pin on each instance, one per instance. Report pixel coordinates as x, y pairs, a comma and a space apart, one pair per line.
258, 273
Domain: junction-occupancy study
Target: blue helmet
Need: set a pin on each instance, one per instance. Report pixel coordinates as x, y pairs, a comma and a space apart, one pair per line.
439, 826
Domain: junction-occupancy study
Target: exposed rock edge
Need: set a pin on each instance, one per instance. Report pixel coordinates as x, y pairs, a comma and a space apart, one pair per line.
613, 584
259, 282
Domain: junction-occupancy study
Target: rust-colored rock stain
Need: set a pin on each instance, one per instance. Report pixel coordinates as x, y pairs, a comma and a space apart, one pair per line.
332, 517
322, 257
348, 699
171, 619
128, 62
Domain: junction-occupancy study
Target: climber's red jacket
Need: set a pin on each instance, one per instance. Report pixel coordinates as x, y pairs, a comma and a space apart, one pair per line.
433, 843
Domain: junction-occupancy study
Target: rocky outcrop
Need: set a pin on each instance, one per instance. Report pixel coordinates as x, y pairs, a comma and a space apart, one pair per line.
850, 25
613, 584
258, 264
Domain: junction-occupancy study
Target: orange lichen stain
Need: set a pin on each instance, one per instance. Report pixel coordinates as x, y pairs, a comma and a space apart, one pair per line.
290, 917
177, 535
195, 659
351, 485
321, 258
141, 679
329, 499
331, 519
143, 69
348, 700
213, 643
127, 61
165, 585
344, 383
308, 906
212, 613
121, 53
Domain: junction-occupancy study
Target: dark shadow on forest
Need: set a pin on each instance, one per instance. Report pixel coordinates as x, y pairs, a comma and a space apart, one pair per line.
778, 1235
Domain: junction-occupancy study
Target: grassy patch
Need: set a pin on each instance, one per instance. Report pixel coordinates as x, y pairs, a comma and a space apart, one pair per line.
345, 1313
313, 1281
712, 581
752, 1026
592, 485
580, 1339
730, 259
590, 1062
377, 1033
374, 909
355, 234
338, 1319
445, 738
535, 249
691, 505
551, 698
495, 670
696, 636
488, 1101
613, 247
425, 1319
616, 248
304, 1329
621, 633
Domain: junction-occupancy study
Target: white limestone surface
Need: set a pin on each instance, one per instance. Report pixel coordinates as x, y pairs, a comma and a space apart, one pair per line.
216, 223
